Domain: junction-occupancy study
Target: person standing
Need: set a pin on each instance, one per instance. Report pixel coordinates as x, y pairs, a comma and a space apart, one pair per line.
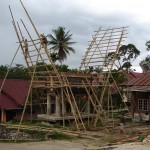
122, 123
26, 47
44, 41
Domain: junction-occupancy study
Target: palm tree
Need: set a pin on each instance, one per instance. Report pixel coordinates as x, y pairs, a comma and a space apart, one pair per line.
61, 43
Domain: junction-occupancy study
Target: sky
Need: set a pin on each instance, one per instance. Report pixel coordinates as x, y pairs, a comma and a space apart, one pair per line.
81, 17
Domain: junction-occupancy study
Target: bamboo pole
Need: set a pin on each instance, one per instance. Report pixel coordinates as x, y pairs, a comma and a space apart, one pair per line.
24, 44
95, 97
69, 100
38, 50
95, 108
2, 85
109, 73
112, 113
122, 97
15, 28
25, 104
88, 49
76, 105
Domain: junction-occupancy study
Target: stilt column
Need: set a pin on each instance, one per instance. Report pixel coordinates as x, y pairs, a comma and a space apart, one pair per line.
48, 104
87, 108
57, 106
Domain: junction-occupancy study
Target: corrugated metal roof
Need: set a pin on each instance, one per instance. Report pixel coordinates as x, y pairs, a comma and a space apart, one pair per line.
143, 80
13, 94
141, 83
132, 75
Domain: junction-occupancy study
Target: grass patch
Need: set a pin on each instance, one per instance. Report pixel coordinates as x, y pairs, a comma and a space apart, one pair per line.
34, 136
60, 136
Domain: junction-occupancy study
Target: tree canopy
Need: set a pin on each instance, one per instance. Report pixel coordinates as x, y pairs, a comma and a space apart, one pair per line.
148, 45
21, 72
126, 55
60, 42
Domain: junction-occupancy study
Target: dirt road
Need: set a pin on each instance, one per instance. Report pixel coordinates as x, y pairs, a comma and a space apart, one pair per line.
69, 145
48, 145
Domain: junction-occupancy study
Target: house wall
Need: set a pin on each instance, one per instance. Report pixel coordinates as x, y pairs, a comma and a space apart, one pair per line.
135, 102
11, 114
27, 116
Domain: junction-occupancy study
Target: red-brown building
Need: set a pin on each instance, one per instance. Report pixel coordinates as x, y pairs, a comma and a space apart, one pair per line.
138, 90
12, 98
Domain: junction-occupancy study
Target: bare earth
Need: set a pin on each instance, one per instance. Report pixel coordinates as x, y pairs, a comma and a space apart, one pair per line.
104, 138
71, 145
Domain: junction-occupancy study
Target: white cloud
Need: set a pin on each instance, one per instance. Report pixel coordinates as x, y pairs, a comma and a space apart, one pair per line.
80, 17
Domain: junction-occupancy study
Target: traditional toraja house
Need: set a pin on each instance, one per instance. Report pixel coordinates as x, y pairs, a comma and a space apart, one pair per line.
71, 95
12, 98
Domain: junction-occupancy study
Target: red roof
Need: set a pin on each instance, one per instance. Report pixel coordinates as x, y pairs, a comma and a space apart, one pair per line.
141, 83
143, 80
133, 75
13, 93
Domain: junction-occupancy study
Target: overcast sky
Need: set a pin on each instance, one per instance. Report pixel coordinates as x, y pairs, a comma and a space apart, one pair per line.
81, 17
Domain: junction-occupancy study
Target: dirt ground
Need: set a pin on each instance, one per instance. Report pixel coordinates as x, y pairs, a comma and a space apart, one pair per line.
105, 140
70, 145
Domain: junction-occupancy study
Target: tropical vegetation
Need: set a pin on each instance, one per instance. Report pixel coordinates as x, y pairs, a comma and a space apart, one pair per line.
61, 44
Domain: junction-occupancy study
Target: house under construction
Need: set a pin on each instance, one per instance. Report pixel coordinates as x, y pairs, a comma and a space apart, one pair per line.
71, 97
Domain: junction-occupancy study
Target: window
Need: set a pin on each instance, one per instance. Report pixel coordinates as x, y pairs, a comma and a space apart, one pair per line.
143, 104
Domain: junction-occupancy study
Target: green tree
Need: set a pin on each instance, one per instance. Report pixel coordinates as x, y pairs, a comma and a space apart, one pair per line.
3, 71
16, 72
148, 45
54, 56
126, 55
60, 43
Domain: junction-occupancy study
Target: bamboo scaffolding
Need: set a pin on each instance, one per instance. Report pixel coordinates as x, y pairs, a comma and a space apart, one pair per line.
75, 103
103, 42
24, 44
90, 46
49, 58
98, 43
111, 39
14, 25
114, 28
109, 73
25, 105
96, 55
93, 103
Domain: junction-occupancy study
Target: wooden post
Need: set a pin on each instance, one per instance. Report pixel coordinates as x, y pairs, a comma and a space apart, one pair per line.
3, 116
63, 107
31, 106
149, 106
133, 104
